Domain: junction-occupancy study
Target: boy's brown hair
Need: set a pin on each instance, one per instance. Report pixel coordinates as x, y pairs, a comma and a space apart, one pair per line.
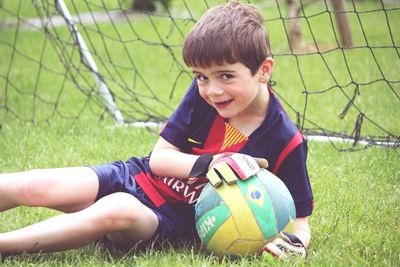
228, 33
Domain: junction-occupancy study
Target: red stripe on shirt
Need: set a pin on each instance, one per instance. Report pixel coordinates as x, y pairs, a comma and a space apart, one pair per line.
296, 140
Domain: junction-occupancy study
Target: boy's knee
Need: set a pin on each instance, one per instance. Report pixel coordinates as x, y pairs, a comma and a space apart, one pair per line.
118, 211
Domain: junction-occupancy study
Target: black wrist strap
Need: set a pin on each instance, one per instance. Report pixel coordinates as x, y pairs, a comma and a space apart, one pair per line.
200, 167
293, 238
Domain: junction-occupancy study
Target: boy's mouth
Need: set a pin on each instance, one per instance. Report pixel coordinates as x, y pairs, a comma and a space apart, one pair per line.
222, 104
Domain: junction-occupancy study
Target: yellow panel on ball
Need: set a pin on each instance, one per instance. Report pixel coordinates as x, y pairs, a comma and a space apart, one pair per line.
226, 234
233, 197
290, 226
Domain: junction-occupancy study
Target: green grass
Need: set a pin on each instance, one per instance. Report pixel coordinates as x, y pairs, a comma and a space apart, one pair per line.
141, 63
355, 221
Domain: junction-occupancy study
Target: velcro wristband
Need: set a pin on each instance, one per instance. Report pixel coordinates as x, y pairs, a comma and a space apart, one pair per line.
293, 238
200, 166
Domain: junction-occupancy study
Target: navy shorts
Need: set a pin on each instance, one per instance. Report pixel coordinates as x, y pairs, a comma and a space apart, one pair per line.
175, 221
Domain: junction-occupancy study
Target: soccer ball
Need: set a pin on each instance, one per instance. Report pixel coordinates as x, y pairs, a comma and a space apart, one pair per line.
239, 219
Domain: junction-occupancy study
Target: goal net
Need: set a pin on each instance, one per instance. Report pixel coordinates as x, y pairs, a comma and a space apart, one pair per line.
336, 73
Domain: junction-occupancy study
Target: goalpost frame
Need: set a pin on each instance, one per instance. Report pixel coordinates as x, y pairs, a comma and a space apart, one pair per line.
90, 63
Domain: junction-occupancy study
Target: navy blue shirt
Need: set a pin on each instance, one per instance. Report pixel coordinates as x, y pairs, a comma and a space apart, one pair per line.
195, 127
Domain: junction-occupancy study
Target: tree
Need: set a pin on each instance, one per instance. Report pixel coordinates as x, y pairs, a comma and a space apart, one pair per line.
295, 9
148, 5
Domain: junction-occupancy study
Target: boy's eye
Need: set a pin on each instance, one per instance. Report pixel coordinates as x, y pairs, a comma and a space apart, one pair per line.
226, 77
201, 77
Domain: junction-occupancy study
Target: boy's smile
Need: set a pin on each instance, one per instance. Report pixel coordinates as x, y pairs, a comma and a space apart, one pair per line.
222, 104
232, 90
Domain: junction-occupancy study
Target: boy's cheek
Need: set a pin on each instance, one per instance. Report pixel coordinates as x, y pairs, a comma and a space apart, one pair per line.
203, 94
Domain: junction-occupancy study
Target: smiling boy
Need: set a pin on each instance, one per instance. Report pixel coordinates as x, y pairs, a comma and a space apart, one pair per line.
231, 108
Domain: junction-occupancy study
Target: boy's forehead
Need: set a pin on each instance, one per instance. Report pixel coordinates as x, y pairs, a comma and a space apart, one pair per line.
214, 68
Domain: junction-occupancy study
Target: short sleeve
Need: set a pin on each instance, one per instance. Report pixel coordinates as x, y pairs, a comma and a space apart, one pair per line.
294, 174
177, 128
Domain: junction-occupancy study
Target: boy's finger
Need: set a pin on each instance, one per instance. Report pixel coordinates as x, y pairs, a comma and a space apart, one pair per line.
263, 163
226, 173
213, 177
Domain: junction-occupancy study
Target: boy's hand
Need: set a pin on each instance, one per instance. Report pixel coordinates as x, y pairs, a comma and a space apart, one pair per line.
286, 245
231, 166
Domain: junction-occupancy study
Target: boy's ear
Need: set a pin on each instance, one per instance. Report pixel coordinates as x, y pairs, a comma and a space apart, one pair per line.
266, 69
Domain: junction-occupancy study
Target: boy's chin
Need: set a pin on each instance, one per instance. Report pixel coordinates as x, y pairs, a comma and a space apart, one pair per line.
225, 117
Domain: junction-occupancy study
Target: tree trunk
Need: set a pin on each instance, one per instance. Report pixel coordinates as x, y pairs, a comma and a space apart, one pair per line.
346, 39
144, 5
294, 25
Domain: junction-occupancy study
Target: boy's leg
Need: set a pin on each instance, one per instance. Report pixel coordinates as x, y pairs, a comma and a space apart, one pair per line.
65, 189
118, 214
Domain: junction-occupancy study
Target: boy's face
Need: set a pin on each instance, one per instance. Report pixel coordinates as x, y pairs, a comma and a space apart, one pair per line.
229, 88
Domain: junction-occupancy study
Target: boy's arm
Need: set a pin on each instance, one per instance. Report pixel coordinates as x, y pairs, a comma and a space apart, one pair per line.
303, 231
168, 160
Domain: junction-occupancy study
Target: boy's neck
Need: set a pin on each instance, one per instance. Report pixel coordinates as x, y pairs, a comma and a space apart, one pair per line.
250, 119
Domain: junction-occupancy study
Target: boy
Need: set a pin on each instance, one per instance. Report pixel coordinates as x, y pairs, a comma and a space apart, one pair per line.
228, 109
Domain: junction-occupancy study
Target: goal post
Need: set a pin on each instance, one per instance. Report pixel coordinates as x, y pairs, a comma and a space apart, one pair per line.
91, 64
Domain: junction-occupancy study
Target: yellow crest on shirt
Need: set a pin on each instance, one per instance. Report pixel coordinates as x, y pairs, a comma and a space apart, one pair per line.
232, 136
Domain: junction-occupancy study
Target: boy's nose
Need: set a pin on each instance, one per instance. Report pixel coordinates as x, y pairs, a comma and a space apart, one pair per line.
214, 89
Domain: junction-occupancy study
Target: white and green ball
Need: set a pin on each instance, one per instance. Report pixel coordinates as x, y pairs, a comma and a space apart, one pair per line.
240, 218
